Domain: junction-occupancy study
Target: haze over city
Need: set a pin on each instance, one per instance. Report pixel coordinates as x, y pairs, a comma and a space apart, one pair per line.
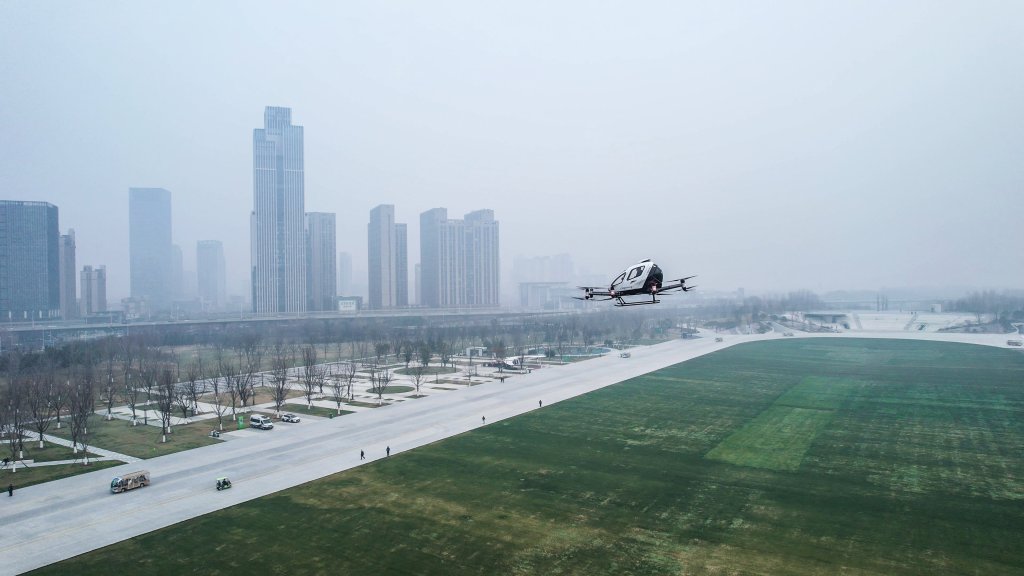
807, 145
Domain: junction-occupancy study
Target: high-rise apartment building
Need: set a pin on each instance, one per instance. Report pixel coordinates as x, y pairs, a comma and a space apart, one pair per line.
211, 274
29, 261
388, 266
94, 290
149, 245
480, 232
68, 294
321, 276
401, 266
459, 260
277, 222
344, 274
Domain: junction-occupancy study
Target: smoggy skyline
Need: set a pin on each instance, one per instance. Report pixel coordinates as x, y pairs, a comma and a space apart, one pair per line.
800, 145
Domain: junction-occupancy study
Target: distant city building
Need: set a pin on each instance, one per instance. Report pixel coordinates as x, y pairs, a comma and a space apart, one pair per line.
68, 294
557, 268
211, 274
388, 268
547, 296
401, 265
459, 260
482, 260
344, 274
149, 245
177, 273
418, 285
321, 275
278, 231
94, 290
29, 261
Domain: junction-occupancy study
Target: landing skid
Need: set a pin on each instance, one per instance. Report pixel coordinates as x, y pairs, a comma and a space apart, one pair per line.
622, 302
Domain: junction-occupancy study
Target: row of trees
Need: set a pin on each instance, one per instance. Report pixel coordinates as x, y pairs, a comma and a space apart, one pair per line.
66, 384
34, 398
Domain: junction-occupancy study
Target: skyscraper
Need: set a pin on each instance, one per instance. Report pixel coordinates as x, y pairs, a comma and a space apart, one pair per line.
459, 260
277, 221
149, 245
29, 261
388, 259
344, 274
401, 266
482, 261
94, 290
68, 294
211, 274
321, 276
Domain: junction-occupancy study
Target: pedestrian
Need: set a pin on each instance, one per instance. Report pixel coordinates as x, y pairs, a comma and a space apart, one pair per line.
10, 490
540, 403
483, 419
362, 455
387, 451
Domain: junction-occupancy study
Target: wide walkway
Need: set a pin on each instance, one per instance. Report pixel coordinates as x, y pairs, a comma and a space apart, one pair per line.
57, 520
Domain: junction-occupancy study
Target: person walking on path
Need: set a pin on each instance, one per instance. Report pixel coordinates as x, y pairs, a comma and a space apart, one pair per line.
483, 419
387, 451
362, 455
540, 403
10, 490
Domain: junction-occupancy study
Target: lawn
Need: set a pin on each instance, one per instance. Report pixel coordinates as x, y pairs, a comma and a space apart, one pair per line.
144, 441
39, 474
50, 452
906, 459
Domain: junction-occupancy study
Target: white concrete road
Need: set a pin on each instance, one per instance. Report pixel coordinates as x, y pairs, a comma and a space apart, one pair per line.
57, 520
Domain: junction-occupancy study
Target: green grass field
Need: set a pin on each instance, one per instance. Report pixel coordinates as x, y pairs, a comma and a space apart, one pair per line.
787, 457
144, 441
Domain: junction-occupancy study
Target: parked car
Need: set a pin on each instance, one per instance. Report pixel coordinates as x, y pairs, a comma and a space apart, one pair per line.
260, 421
718, 339
290, 418
624, 355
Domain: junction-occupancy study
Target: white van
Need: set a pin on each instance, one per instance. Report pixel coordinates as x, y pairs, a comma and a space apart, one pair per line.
260, 421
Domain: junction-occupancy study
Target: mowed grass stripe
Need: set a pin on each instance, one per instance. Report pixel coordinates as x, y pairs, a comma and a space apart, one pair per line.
777, 439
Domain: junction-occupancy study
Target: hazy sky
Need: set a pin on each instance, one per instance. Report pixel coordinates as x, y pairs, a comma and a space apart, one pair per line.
772, 146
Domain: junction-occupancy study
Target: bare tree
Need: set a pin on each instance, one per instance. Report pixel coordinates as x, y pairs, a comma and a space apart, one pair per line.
417, 377
250, 359
149, 378
500, 352
350, 375
408, 351
82, 400
309, 376
60, 392
131, 395
165, 401
383, 379
40, 404
219, 408
16, 417
188, 392
424, 351
381, 350
108, 387
337, 388
279, 376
